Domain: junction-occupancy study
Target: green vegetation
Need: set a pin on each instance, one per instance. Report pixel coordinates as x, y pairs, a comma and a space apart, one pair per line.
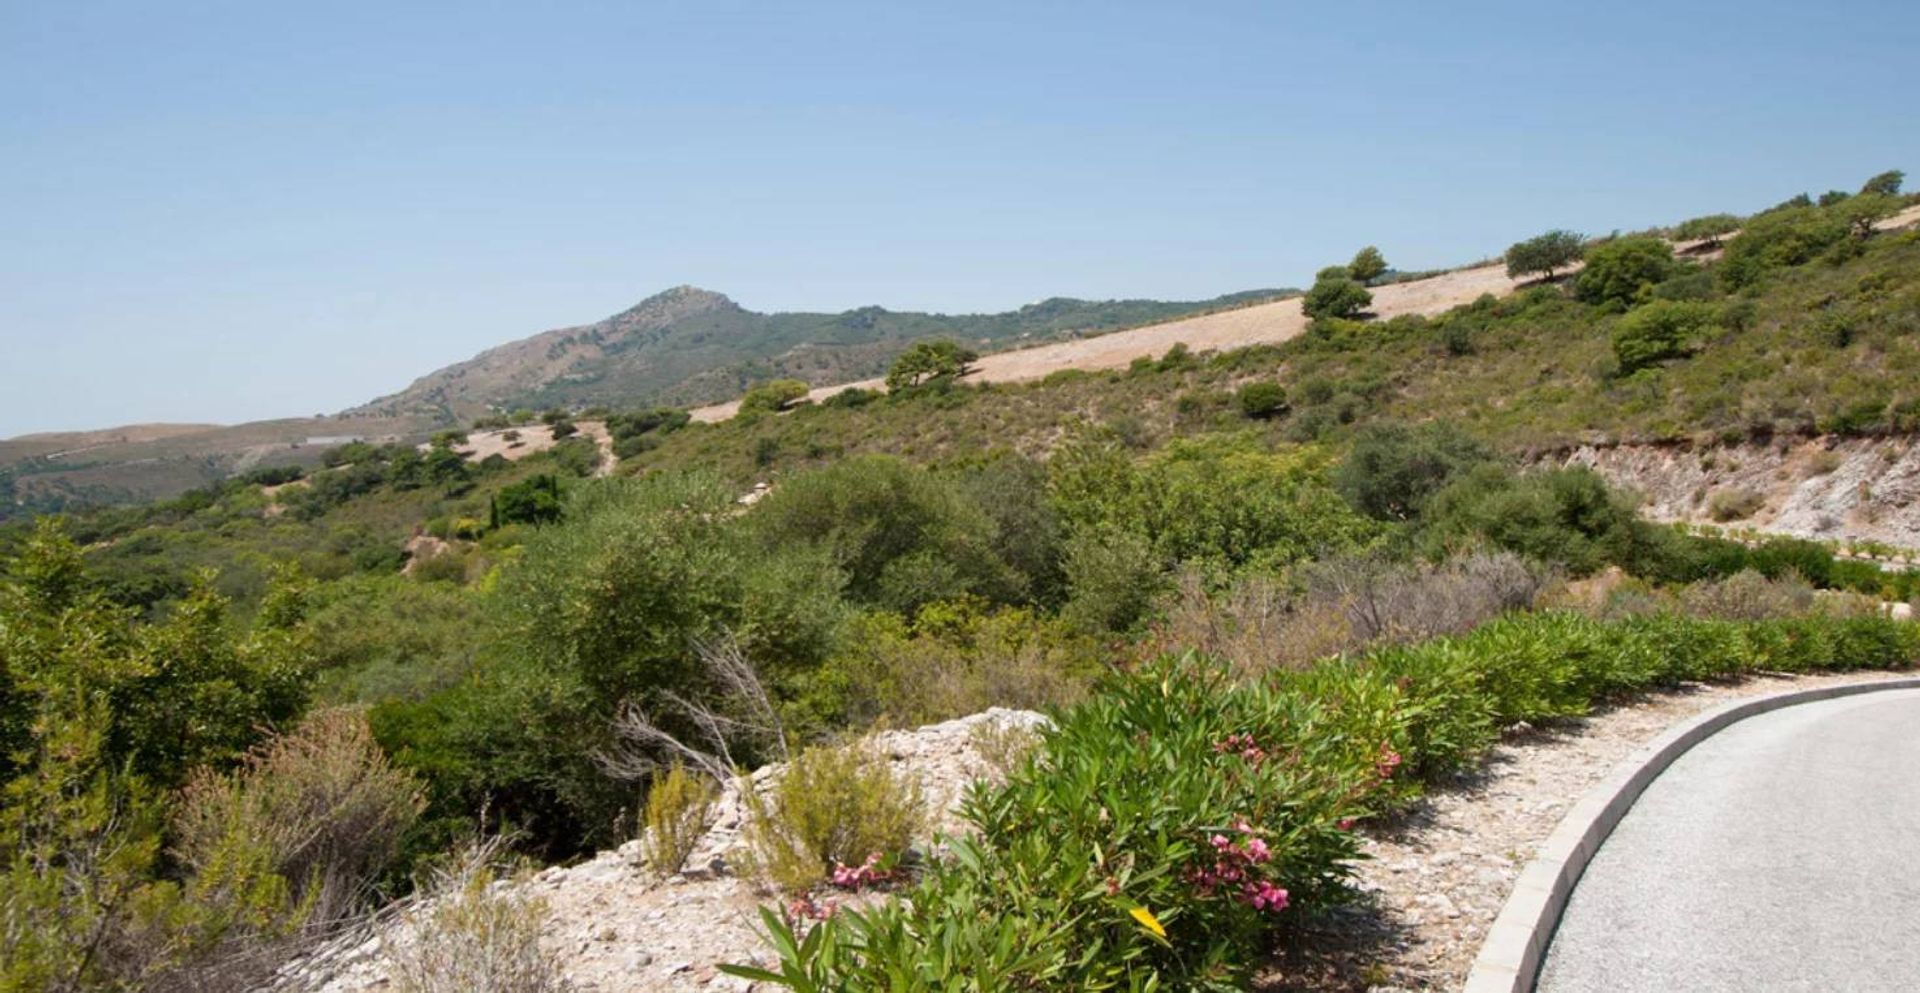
1367, 265
1624, 271
1336, 293
773, 396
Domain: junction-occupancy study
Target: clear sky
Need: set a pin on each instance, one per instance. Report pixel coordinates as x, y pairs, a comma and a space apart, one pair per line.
230, 211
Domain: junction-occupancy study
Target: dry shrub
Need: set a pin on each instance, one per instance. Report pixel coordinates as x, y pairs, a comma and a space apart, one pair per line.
1002, 745
1749, 596
1347, 604
322, 802
679, 811
1735, 504
829, 805
470, 935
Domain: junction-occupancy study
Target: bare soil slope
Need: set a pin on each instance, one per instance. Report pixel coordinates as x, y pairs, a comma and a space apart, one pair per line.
1266, 323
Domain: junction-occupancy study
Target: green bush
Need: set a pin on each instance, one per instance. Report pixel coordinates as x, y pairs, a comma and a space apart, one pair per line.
1780, 237
1262, 400
1661, 330
1394, 469
1624, 271
1708, 229
773, 396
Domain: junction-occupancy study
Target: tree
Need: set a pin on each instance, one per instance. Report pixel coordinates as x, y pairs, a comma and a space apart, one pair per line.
773, 395
1708, 229
1263, 400
926, 361
1367, 265
1661, 330
1335, 294
1545, 253
1864, 211
1885, 184
1624, 270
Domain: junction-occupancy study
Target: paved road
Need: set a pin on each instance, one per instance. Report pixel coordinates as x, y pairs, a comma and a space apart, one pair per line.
1780, 854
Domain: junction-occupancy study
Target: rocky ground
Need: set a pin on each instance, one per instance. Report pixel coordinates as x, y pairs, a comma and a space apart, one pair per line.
618, 928
1858, 489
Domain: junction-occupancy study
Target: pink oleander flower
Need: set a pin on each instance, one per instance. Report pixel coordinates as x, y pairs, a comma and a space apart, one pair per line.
1345, 824
1265, 896
1257, 850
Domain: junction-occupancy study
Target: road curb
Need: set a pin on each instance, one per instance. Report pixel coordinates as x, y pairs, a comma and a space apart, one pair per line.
1510, 957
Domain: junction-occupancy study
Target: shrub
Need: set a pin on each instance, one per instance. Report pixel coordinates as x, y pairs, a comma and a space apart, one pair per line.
1708, 229
473, 935
1394, 469
534, 500
828, 806
1749, 595
773, 396
956, 658
1262, 400
1624, 271
1335, 295
679, 810
563, 429
328, 808
1781, 237
1734, 504
1544, 254
1661, 330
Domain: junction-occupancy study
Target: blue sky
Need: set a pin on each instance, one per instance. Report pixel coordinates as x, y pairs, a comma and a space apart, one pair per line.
230, 211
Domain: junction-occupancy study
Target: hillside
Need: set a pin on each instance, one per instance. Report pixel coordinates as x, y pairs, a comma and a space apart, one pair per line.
682, 346
689, 345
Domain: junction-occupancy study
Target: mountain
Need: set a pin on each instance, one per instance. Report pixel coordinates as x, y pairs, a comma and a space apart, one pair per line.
682, 347
690, 346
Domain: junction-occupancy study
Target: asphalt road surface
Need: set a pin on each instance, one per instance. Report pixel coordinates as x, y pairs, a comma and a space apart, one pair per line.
1781, 854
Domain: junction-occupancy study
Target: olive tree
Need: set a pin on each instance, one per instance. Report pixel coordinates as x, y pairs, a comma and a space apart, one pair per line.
1545, 253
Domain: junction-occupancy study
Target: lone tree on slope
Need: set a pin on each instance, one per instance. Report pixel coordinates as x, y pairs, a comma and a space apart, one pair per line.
1545, 253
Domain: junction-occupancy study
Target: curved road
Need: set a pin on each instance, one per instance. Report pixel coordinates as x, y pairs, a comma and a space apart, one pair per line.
1783, 853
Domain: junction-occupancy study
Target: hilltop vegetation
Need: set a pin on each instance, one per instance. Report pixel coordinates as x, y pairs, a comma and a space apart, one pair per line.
1327, 553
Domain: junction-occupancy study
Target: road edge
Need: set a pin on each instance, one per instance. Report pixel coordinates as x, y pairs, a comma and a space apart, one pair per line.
1516, 945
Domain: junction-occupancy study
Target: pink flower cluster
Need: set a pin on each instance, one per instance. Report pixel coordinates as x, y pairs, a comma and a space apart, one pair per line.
1230, 868
805, 908
1388, 761
858, 877
1243, 745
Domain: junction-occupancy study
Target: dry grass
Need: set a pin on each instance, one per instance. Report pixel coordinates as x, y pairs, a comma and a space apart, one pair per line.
470, 935
679, 811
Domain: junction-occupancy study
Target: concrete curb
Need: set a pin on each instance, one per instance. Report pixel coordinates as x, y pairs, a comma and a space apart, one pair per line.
1510, 957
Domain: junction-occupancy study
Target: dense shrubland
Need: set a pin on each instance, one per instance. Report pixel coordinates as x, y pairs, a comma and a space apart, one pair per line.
1264, 604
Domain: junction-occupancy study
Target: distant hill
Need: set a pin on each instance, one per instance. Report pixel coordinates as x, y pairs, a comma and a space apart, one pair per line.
682, 347
690, 346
